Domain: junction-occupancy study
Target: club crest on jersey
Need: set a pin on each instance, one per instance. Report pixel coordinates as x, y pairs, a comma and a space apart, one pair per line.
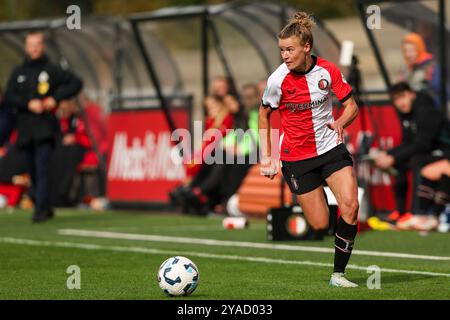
21, 78
323, 84
43, 85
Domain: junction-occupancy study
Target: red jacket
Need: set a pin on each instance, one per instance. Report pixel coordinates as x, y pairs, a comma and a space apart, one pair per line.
227, 123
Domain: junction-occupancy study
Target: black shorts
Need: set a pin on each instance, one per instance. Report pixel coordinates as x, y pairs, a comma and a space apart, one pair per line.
306, 175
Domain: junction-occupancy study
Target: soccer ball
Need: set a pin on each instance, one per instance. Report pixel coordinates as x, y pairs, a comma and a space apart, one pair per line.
178, 276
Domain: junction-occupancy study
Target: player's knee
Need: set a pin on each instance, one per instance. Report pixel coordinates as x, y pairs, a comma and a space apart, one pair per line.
427, 173
350, 207
319, 224
424, 172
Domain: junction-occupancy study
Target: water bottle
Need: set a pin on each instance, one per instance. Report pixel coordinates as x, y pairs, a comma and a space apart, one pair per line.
235, 223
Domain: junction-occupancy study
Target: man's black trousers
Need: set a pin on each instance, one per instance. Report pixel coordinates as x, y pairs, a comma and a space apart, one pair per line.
38, 160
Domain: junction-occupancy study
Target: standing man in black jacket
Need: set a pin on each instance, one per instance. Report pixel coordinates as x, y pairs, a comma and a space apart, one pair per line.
34, 89
422, 125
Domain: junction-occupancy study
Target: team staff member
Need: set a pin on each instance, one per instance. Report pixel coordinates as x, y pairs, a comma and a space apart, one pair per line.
423, 127
34, 89
311, 150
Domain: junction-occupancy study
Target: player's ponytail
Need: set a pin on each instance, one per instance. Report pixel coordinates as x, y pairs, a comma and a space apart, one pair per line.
300, 26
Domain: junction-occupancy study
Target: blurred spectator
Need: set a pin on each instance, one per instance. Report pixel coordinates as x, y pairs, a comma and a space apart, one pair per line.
422, 129
250, 97
211, 189
433, 194
421, 71
13, 178
14, 181
434, 189
35, 89
92, 168
218, 117
222, 110
220, 89
70, 148
96, 120
7, 122
261, 87
12, 160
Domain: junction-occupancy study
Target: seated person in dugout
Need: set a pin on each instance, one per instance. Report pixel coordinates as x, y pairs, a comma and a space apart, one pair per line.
423, 127
7, 122
14, 179
211, 189
220, 90
218, 117
71, 145
433, 193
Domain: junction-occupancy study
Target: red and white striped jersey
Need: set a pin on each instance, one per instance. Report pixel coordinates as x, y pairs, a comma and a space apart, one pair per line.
304, 101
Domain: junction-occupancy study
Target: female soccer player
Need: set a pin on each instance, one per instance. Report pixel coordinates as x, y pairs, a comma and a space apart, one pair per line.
311, 147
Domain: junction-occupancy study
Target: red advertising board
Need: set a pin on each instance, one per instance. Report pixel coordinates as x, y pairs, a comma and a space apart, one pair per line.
140, 168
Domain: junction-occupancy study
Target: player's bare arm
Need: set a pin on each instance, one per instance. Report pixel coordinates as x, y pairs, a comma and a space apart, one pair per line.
268, 165
350, 113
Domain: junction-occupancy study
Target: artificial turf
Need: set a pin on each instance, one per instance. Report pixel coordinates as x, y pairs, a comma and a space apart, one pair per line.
126, 269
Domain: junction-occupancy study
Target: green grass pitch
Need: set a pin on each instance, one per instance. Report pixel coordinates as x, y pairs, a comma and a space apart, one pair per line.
34, 259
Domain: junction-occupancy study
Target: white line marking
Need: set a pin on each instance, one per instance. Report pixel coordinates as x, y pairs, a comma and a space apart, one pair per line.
241, 244
200, 228
90, 246
185, 228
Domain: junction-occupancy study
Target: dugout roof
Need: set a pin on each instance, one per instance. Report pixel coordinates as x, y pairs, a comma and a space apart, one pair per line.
172, 52
103, 53
237, 39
